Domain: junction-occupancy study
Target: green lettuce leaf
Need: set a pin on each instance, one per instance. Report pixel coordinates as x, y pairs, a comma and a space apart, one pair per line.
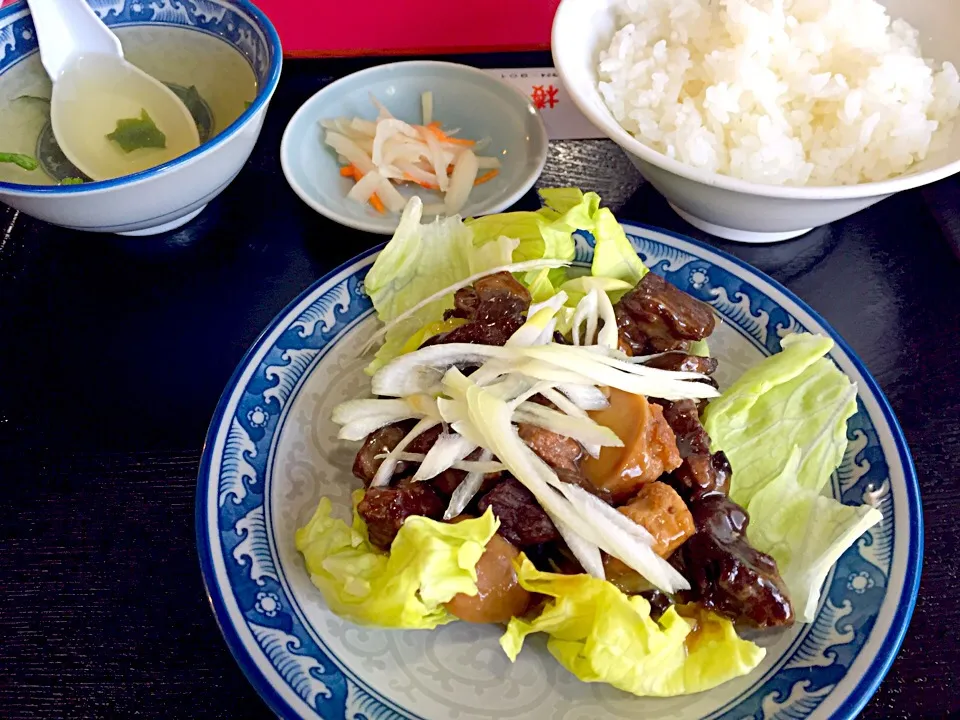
429, 563
563, 200
577, 288
783, 426
613, 255
419, 261
545, 233
541, 285
805, 532
601, 635
794, 398
699, 347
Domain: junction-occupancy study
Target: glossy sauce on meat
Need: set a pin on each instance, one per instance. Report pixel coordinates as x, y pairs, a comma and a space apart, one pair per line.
385, 509
700, 476
649, 447
499, 594
684, 419
379, 442
656, 316
558, 451
681, 362
522, 521
495, 308
726, 573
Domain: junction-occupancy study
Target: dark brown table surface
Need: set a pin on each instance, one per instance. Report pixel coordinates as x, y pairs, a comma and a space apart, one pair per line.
113, 354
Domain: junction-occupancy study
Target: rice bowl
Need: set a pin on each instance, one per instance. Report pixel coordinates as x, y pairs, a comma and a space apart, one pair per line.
728, 206
789, 92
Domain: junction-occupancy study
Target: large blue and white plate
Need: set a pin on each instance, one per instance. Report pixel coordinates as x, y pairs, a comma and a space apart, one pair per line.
272, 453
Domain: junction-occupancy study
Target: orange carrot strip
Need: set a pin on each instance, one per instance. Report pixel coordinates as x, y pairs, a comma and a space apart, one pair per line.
489, 175
377, 204
425, 185
434, 124
347, 170
443, 137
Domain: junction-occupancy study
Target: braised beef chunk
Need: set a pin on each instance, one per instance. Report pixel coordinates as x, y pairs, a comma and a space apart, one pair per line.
386, 439
449, 480
684, 419
576, 477
465, 303
561, 453
656, 316
700, 476
422, 443
558, 451
500, 294
522, 521
385, 509
679, 361
495, 307
632, 339
477, 333
377, 443
726, 573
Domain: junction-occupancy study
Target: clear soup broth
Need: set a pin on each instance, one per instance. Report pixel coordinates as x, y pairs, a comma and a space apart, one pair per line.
214, 80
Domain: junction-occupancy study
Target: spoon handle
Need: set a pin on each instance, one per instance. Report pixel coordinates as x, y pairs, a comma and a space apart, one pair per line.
67, 28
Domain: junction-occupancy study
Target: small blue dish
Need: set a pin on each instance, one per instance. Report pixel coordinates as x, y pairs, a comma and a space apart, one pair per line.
463, 97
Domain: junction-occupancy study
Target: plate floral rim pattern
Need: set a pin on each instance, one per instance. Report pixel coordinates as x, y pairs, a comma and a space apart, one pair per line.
297, 675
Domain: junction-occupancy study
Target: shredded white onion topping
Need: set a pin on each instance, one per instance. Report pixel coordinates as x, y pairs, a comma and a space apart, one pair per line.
482, 411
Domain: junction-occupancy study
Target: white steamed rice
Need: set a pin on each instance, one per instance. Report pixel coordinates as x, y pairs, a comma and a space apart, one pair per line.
786, 92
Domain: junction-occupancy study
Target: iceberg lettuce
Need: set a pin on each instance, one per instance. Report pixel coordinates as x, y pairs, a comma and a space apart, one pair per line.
418, 262
601, 635
805, 532
613, 255
429, 563
796, 397
424, 259
783, 426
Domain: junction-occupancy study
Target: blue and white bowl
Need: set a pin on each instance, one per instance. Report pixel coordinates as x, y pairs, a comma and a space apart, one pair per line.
272, 452
169, 195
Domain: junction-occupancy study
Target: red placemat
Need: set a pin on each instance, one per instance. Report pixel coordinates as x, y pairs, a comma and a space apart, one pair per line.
314, 28
321, 28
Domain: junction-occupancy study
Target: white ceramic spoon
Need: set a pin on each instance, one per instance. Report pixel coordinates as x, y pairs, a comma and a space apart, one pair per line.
94, 88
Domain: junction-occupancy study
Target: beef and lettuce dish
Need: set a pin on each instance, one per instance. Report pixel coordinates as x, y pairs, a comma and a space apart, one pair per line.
545, 448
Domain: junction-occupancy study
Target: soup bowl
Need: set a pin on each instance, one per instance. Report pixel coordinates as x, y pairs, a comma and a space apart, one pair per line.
169, 195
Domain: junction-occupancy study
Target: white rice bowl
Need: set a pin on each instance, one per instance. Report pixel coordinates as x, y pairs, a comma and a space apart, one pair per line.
783, 92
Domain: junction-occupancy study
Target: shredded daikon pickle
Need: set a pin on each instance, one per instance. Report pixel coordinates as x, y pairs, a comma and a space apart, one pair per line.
397, 153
